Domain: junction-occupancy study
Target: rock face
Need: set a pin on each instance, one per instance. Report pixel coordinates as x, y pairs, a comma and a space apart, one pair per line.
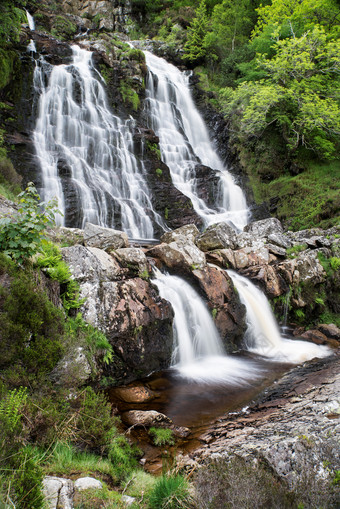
228, 312
217, 236
137, 322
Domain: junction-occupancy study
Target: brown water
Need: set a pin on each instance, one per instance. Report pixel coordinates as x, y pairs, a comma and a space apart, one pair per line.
194, 405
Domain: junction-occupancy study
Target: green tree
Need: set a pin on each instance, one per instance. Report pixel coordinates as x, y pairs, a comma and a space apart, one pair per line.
195, 47
299, 95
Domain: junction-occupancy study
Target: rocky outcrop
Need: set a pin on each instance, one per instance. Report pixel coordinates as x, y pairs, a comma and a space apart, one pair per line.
104, 238
293, 427
62, 493
180, 256
137, 322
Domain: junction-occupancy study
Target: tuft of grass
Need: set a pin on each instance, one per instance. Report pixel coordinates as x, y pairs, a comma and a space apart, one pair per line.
162, 436
171, 492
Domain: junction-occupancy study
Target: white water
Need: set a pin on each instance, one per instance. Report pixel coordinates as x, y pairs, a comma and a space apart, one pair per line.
184, 142
198, 351
30, 21
76, 128
263, 335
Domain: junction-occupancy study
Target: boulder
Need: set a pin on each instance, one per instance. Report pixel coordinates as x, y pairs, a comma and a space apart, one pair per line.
217, 236
329, 330
104, 238
179, 255
58, 492
87, 483
73, 369
270, 281
280, 240
264, 227
137, 393
245, 239
91, 264
145, 418
132, 258
188, 232
315, 336
229, 313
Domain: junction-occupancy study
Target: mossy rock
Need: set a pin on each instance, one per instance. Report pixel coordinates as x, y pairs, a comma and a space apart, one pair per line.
63, 28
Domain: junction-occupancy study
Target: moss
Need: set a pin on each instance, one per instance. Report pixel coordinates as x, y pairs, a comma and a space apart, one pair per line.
7, 59
129, 95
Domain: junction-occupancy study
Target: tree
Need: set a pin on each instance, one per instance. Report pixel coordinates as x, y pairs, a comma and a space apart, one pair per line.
195, 47
300, 94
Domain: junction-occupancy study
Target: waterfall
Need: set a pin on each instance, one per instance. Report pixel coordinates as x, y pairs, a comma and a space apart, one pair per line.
198, 352
86, 154
30, 21
184, 142
263, 335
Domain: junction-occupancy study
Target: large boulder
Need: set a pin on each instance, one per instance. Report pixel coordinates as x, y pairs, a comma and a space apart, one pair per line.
217, 236
264, 227
182, 256
91, 264
104, 238
58, 492
132, 258
188, 232
227, 310
145, 418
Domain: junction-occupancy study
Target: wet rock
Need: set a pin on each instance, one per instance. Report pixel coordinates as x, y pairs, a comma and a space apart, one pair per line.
264, 227
135, 394
180, 431
91, 264
315, 336
276, 250
183, 256
145, 418
104, 238
270, 281
188, 232
229, 313
217, 236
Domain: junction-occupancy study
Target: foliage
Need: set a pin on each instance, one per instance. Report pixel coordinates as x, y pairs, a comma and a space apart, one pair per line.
195, 47
171, 492
129, 95
63, 28
10, 407
11, 16
122, 455
292, 252
22, 237
52, 263
162, 436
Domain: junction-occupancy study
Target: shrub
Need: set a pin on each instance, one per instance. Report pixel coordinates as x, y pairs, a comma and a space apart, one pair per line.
22, 236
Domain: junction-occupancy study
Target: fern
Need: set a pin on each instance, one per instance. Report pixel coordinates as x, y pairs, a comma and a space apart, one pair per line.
10, 407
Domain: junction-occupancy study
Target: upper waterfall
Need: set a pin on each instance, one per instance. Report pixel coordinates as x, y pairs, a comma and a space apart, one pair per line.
263, 335
198, 352
184, 142
86, 153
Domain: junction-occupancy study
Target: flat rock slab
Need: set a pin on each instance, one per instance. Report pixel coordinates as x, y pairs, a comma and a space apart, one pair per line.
301, 409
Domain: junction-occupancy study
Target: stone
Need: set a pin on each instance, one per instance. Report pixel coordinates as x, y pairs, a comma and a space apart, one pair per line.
245, 239
128, 500
219, 291
177, 255
135, 394
7, 207
87, 483
217, 236
104, 238
145, 418
73, 369
188, 232
270, 281
58, 492
280, 240
91, 264
264, 227
70, 236
132, 258
315, 336
276, 250
329, 330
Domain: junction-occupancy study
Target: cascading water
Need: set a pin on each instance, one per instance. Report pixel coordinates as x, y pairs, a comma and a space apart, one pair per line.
184, 142
78, 141
198, 353
263, 335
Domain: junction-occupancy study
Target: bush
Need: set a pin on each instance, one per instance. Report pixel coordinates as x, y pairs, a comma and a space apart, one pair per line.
22, 236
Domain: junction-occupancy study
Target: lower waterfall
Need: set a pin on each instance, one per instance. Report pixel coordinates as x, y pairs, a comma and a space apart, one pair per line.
263, 335
198, 352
